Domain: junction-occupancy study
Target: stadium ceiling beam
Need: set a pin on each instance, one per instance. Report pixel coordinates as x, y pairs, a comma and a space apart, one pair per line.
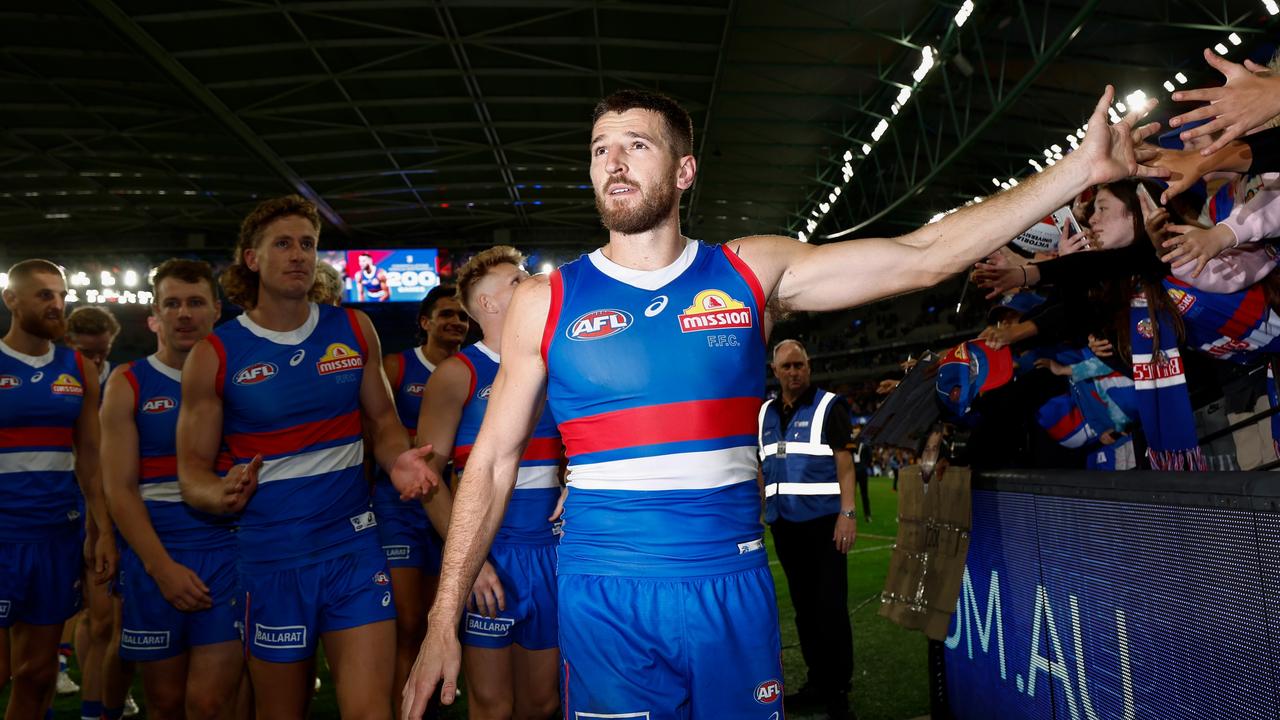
911, 156
349, 103
366, 5
359, 112
426, 74
417, 43
461, 59
711, 102
143, 41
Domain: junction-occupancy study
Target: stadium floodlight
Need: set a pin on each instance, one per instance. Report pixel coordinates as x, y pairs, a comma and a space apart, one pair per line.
866, 149
995, 181
1271, 6
107, 279
824, 207
926, 63
802, 237
936, 218
4, 280
836, 192
1234, 39
848, 155
977, 199
1220, 49
880, 129
1056, 148
1057, 156
1182, 79
1168, 86
1136, 99
831, 197
131, 278
546, 268
1035, 164
1121, 107
966, 9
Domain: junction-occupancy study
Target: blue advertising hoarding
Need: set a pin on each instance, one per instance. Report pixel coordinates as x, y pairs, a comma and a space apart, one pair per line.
1079, 608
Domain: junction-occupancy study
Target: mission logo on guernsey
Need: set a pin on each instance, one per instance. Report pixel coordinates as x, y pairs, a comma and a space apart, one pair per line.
714, 310
66, 384
338, 358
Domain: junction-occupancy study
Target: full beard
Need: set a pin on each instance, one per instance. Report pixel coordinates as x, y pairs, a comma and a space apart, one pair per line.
51, 329
653, 208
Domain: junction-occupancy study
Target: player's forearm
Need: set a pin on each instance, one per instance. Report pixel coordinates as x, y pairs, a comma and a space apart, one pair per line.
957, 241
134, 522
200, 486
390, 440
439, 507
89, 474
478, 508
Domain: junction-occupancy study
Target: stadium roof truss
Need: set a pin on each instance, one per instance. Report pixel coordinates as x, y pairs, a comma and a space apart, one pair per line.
153, 125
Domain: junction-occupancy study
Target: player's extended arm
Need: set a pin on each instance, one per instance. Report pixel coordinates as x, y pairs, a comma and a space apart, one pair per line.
87, 439
442, 401
844, 274
200, 439
490, 476
403, 463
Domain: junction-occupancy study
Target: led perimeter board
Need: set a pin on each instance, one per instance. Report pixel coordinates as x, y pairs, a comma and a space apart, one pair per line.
1118, 596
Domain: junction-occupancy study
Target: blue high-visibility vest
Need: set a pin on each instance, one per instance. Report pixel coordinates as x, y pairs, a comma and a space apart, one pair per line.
799, 467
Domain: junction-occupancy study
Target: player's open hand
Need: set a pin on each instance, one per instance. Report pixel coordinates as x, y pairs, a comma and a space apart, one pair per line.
487, 597
411, 476
182, 587
1108, 149
438, 663
239, 484
1248, 99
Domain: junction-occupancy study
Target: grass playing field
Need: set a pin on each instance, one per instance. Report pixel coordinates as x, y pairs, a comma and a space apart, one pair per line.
890, 680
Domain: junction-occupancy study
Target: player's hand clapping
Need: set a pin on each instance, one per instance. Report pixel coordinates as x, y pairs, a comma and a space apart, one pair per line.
239, 484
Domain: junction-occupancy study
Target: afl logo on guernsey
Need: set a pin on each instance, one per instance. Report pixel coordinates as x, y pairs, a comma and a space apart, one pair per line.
67, 385
598, 324
256, 373
714, 310
158, 405
414, 389
768, 691
8, 382
339, 357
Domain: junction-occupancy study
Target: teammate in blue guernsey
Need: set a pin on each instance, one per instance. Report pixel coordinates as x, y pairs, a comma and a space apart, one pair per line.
509, 629
290, 387
48, 444
178, 570
651, 354
412, 547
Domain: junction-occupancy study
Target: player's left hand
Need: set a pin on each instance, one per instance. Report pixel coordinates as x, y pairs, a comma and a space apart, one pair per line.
1108, 150
845, 534
487, 596
411, 476
105, 557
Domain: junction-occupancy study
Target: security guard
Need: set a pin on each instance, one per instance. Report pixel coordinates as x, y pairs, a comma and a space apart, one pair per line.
808, 472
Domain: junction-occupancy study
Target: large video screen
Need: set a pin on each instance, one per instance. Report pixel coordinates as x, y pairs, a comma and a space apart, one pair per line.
374, 276
1087, 609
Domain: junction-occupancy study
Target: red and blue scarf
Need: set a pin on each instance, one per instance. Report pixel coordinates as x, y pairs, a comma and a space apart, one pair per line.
1160, 382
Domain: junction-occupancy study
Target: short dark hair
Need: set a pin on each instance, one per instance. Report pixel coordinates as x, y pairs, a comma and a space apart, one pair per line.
188, 271
26, 268
679, 124
428, 305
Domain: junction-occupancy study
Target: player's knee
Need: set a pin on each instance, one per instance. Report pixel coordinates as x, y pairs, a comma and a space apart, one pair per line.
164, 703
36, 674
497, 709
100, 628
541, 707
203, 704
